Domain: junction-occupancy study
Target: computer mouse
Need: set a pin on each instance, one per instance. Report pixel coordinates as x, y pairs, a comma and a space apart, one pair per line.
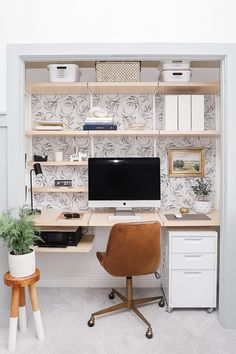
178, 215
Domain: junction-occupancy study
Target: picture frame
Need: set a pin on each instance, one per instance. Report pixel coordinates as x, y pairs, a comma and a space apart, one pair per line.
186, 162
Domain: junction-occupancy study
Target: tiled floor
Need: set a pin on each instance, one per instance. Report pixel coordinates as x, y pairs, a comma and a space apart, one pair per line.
65, 313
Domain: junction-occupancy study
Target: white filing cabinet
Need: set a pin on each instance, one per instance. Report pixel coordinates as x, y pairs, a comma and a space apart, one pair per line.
189, 267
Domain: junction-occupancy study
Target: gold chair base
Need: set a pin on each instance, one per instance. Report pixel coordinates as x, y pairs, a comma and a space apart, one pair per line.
128, 303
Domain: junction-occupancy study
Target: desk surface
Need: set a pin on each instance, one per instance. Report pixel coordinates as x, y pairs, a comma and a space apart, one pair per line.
51, 219
214, 220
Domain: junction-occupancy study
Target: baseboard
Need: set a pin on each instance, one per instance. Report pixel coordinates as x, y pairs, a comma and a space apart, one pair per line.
80, 282
4, 318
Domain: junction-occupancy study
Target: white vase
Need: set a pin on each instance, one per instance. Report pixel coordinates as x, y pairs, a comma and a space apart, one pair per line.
21, 265
203, 207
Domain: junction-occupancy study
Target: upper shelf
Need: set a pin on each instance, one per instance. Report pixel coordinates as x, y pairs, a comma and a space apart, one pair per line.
83, 88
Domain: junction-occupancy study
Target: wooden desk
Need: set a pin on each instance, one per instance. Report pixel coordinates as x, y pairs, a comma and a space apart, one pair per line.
50, 219
214, 215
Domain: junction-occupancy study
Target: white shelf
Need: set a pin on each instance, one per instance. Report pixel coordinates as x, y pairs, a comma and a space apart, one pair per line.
77, 88
85, 245
81, 189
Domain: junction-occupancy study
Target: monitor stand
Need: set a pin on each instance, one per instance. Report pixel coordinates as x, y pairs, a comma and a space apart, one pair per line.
124, 214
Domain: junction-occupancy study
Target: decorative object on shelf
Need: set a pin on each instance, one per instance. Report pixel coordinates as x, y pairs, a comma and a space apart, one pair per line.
38, 171
78, 156
175, 75
184, 210
59, 156
202, 189
118, 71
97, 112
98, 120
18, 231
175, 70
63, 182
176, 64
184, 112
38, 158
99, 126
186, 162
64, 72
49, 125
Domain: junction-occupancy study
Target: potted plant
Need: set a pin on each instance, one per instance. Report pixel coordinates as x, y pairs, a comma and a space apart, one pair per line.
18, 231
202, 189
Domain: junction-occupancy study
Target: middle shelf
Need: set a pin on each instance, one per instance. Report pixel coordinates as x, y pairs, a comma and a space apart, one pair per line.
94, 133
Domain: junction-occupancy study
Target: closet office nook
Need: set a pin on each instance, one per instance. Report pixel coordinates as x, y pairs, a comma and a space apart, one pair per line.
151, 114
143, 112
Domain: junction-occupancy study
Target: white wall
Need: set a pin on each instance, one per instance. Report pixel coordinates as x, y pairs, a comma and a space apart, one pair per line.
4, 291
27, 21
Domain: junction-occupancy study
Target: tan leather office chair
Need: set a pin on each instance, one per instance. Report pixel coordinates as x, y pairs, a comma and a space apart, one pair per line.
132, 249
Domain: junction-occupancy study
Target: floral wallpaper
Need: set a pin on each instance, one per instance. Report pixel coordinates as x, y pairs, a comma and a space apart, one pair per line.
128, 111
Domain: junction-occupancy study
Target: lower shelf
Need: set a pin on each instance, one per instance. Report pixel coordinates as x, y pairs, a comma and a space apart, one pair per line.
85, 245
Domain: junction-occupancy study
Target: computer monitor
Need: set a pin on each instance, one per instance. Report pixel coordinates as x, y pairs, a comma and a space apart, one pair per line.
124, 182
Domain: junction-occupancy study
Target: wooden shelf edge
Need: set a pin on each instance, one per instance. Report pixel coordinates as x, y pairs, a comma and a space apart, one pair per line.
57, 133
85, 245
94, 133
189, 132
59, 163
122, 87
59, 190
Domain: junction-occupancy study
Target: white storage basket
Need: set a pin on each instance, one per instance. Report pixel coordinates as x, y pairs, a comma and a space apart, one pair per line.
175, 65
118, 71
63, 72
175, 75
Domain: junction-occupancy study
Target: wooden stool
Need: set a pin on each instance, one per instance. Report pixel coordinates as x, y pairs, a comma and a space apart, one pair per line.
18, 302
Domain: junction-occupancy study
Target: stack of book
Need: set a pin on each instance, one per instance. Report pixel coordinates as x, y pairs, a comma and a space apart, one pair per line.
99, 123
48, 125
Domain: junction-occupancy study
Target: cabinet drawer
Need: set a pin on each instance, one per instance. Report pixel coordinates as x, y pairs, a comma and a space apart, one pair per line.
193, 261
193, 288
193, 244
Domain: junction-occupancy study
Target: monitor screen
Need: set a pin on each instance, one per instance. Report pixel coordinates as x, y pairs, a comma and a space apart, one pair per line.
124, 182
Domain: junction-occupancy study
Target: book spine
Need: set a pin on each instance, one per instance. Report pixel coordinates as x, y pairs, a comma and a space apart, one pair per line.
98, 122
99, 127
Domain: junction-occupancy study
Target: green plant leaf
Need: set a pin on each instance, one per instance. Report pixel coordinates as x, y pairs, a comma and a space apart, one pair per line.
18, 230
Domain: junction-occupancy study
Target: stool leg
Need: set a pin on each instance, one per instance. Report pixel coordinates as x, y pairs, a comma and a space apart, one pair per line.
36, 312
22, 312
15, 297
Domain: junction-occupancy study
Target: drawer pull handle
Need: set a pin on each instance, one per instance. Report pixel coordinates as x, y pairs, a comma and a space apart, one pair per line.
192, 273
193, 255
193, 239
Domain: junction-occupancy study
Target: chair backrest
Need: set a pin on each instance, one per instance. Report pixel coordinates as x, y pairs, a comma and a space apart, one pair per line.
133, 249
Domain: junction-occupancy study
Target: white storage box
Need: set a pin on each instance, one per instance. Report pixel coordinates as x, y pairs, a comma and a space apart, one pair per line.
175, 65
175, 75
118, 71
63, 72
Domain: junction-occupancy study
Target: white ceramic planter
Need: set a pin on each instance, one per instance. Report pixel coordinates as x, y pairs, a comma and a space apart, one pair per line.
22, 265
203, 207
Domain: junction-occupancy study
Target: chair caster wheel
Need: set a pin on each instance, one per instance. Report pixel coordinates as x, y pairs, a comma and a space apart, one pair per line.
91, 321
149, 334
111, 295
162, 302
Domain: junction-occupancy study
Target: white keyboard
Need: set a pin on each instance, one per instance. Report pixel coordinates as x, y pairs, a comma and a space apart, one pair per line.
124, 217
